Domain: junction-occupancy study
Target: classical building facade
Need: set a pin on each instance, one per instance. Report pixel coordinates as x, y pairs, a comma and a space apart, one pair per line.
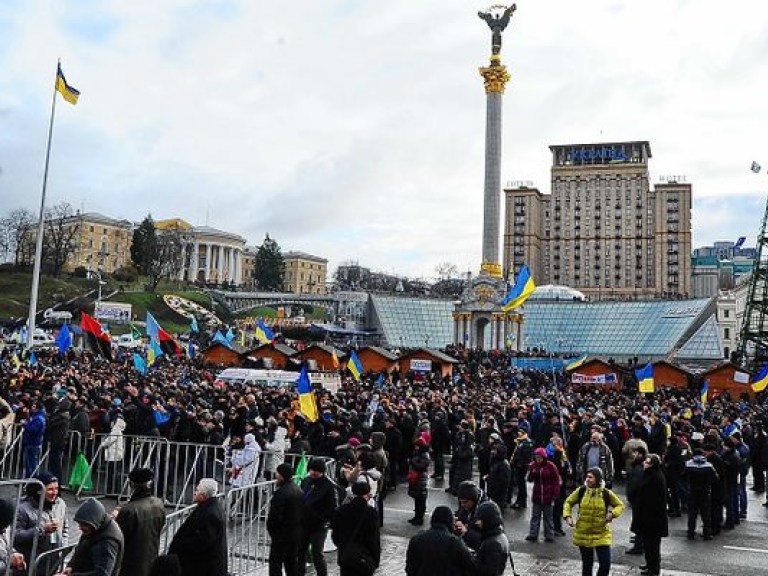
211, 256
304, 273
603, 230
97, 242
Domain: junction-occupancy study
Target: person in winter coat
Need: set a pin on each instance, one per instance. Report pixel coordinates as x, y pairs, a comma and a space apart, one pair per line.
275, 451
595, 454
58, 433
462, 457
546, 487
356, 522
49, 524
556, 453
494, 547
381, 462
598, 506
7, 553
438, 550
32, 439
469, 497
649, 513
141, 520
702, 479
393, 446
674, 471
100, 548
718, 488
284, 523
521, 457
635, 473
320, 503
245, 462
441, 443
417, 481
201, 541
499, 475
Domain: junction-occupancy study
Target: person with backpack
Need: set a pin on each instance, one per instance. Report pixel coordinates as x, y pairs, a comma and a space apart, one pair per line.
598, 506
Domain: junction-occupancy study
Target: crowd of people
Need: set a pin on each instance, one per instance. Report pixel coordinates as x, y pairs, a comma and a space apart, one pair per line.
506, 438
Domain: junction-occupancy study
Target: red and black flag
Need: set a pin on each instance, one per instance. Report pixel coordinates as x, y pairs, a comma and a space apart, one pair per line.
95, 338
168, 345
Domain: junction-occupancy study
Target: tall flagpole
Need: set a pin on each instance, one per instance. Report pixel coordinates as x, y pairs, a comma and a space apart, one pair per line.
40, 228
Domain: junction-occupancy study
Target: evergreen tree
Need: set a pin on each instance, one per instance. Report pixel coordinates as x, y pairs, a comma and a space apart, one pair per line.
269, 265
144, 245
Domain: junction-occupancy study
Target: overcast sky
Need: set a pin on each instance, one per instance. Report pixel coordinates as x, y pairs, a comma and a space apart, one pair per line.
354, 129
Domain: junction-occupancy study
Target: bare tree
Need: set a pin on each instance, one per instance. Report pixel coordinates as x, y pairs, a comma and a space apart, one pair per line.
446, 270
61, 230
167, 258
14, 229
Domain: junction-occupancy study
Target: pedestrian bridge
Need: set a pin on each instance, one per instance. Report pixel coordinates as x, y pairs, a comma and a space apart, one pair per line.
242, 301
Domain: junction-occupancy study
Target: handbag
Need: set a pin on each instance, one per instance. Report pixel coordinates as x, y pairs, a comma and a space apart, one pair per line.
412, 477
355, 556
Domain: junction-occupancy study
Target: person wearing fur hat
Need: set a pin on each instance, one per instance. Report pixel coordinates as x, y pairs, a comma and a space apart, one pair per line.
141, 519
598, 506
546, 487
284, 523
7, 554
49, 523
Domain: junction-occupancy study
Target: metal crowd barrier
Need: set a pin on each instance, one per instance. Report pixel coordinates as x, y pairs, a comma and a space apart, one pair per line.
12, 462
184, 465
20, 489
53, 560
248, 541
173, 522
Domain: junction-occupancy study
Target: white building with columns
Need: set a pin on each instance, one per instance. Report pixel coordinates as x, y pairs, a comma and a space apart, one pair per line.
211, 256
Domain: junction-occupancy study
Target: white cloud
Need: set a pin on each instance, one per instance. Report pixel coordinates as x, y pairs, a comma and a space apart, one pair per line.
355, 129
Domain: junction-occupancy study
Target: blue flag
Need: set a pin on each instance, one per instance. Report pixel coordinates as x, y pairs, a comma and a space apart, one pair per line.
139, 364
64, 339
32, 358
153, 328
194, 327
219, 338
380, 380
230, 336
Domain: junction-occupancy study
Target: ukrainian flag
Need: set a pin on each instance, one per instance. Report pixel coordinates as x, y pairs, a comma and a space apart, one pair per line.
154, 352
524, 287
704, 393
307, 403
69, 93
576, 362
263, 333
645, 379
760, 382
354, 365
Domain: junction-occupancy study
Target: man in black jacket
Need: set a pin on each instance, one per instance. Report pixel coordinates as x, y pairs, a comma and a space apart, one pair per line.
702, 478
284, 523
437, 550
58, 433
320, 502
357, 522
494, 548
100, 548
201, 541
141, 520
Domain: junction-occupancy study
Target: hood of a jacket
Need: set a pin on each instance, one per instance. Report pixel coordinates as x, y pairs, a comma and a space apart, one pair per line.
490, 515
91, 512
377, 440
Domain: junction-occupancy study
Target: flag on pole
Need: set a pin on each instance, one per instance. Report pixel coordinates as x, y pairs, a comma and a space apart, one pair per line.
69, 93
523, 288
354, 365
761, 380
32, 358
135, 333
230, 336
193, 325
190, 351
576, 362
165, 340
16, 362
98, 340
307, 402
218, 338
645, 379
380, 380
64, 339
154, 352
140, 364
335, 360
263, 333
740, 242
704, 393
301, 470
80, 477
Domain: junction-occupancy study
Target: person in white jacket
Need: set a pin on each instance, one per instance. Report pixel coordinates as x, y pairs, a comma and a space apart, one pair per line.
276, 451
245, 463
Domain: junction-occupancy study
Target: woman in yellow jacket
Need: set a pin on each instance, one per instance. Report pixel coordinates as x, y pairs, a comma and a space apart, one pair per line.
598, 506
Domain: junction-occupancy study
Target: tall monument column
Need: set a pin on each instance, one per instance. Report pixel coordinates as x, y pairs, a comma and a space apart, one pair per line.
478, 316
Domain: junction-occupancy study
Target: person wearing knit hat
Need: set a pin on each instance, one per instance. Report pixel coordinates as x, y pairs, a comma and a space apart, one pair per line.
141, 519
320, 502
438, 550
284, 523
101, 541
49, 524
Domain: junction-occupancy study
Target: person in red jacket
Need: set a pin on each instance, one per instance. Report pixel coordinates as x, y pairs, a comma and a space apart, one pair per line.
546, 487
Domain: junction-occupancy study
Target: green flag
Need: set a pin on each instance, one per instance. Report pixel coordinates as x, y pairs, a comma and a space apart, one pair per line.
80, 477
301, 469
135, 333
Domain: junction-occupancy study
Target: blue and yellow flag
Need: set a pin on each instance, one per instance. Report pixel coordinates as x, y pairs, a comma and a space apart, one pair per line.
354, 365
576, 362
523, 288
140, 364
263, 333
704, 393
760, 381
16, 362
69, 93
645, 379
307, 402
154, 352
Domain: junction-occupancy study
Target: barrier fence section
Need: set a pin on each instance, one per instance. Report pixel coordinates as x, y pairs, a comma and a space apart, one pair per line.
248, 541
53, 560
184, 465
18, 489
173, 522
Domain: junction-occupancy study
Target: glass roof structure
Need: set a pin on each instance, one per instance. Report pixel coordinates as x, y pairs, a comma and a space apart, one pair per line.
650, 330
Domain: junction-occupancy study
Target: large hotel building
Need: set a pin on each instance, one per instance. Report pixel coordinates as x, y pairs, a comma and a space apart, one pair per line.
602, 230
